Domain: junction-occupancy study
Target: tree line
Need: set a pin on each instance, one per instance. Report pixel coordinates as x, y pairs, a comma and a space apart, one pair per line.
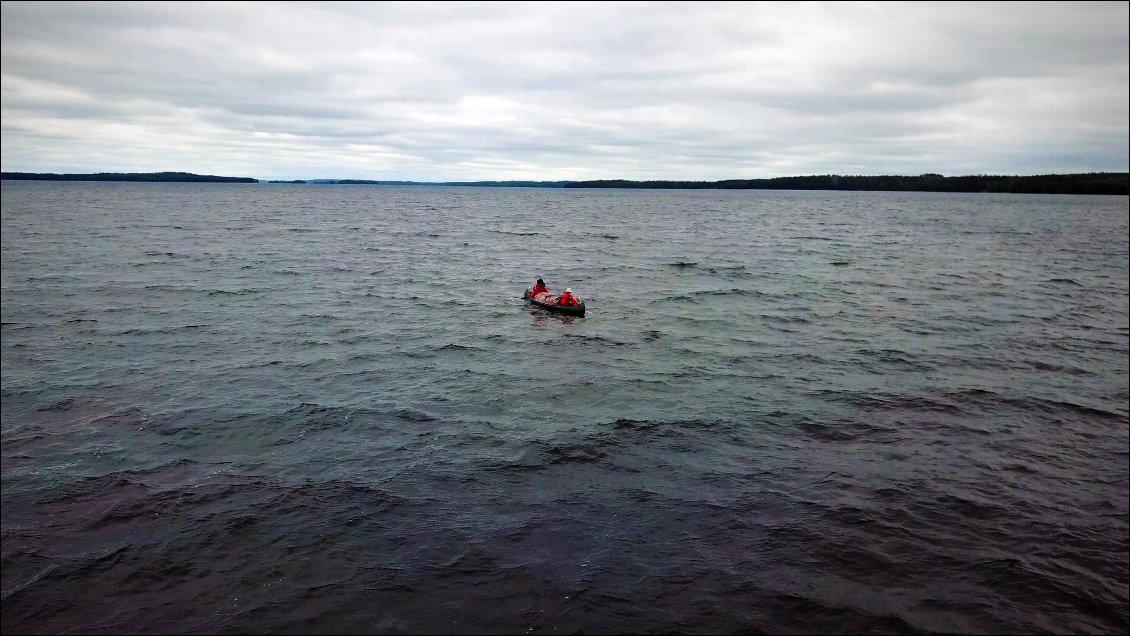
1088, 183
125, 176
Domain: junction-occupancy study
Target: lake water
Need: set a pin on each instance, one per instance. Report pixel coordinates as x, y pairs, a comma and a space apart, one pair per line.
326, 409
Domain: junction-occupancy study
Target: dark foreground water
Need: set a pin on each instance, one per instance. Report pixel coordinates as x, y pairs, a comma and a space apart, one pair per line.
304, 409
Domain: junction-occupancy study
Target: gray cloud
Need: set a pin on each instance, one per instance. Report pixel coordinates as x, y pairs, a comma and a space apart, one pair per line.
466, 91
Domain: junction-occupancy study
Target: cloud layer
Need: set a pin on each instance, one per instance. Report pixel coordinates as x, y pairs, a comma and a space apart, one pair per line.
470, 91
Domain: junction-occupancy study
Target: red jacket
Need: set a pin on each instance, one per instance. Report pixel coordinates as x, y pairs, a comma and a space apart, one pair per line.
567, 299
537, 289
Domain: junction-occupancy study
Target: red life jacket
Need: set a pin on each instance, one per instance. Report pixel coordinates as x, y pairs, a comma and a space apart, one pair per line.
537, 290
567, 299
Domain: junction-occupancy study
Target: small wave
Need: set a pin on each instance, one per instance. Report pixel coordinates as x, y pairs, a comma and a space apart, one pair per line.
1080, 409
597, 339
233, 292
159, 330
694, 296
319, 318
968, 507
170, 255
1058, 368
14, 444
786, 320
988, 398
731, 272
894, 358
574, 453
72, 403
877, 401
411, 415
458, 347
733, 291
624, 424
680, 298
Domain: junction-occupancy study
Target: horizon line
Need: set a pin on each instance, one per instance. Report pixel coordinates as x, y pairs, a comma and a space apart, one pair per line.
545, 180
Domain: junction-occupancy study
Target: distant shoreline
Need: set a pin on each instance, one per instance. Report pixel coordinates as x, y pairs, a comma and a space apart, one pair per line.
1088, 183
1116, 183
154, 177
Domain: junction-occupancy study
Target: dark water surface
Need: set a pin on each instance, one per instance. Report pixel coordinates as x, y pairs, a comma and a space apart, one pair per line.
326, 409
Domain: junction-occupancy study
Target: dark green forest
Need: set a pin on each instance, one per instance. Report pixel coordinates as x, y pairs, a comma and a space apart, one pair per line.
1089, 183
125, 176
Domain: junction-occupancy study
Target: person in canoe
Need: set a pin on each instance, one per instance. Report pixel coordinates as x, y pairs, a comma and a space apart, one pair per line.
567, 298
538, 288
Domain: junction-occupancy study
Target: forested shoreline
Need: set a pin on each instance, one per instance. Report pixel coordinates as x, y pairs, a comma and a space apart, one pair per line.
162, 177
1086, 183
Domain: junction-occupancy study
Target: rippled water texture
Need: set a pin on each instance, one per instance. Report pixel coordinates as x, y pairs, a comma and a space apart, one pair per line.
326, 409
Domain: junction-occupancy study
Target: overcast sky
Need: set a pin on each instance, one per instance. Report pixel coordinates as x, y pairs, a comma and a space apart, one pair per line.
546, 91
